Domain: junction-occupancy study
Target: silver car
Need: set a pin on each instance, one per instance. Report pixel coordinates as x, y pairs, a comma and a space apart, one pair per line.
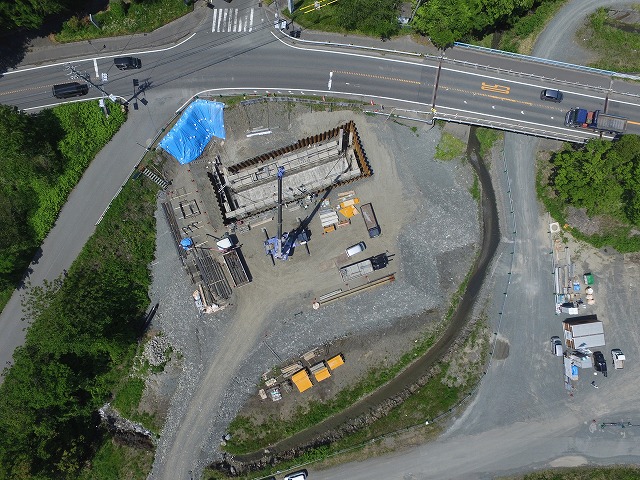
299, 475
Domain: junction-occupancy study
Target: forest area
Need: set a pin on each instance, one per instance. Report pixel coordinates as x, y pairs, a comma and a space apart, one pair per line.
79, 348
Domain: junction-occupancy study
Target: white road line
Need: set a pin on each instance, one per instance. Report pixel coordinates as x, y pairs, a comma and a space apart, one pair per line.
222, 21
235, 22
251, 20
242, 23
230, 21
330, 77
215, 17
95, 66
140, 52
406, 62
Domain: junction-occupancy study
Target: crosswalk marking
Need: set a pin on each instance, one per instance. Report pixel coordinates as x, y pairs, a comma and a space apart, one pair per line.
232, 20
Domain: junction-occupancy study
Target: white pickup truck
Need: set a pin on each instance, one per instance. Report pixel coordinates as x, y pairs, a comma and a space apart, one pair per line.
618, 358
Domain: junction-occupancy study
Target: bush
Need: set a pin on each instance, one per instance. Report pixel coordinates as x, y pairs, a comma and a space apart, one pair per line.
124, 18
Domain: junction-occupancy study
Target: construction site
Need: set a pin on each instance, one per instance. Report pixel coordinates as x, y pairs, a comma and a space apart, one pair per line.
302, 236
286, 195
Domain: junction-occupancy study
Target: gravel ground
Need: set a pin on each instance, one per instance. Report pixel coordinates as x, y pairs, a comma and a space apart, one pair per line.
415, 199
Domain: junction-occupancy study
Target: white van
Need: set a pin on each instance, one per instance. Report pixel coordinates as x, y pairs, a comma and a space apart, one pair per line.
355, 249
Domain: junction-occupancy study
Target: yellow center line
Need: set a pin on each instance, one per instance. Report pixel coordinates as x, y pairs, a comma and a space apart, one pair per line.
381, 77
496, 97
25, 89
633, 123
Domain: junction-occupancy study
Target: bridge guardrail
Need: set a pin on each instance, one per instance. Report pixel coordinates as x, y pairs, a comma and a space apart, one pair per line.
519, 56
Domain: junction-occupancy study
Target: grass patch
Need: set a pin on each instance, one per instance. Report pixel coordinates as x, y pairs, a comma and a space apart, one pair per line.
581, 473
449, 147
617, 43
113, 461
474, 190
375, 19
79, 130
324, 19
487, 137
128, 397
123, 18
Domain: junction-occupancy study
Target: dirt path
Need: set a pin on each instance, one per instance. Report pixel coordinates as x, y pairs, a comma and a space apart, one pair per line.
240, 338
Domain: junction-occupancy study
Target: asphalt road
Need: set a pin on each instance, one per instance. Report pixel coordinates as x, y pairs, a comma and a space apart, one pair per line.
515, 422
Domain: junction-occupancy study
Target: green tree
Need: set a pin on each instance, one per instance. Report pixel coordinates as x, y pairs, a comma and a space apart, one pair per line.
445, 21
373, 17
448, 21
602, 177
29, 14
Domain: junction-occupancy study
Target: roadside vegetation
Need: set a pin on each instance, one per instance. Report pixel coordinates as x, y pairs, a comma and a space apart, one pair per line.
594, 191
42, 158
123, 18
582, 473
78, 351
616, 41
444, 22
376, 18
450, 147
487, 137
521, 33
448, 21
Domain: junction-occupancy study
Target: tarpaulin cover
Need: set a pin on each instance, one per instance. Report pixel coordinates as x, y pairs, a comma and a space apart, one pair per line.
190, 135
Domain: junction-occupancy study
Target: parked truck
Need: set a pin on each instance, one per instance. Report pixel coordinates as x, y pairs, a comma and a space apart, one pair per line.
618, 358
370, 220
596, 120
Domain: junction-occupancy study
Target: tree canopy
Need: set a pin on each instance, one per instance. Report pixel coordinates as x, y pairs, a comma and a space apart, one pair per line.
603, 178
373, 17
447, 21
31, 14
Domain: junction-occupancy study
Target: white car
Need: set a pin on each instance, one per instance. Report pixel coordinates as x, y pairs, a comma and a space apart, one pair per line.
299, 475
556, 346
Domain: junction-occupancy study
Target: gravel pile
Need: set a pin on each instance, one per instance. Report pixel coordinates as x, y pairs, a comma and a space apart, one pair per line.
155, 351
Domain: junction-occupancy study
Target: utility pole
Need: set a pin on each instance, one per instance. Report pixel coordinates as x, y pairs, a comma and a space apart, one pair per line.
76, 74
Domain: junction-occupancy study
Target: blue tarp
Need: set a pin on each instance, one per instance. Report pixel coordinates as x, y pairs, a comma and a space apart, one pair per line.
190, 135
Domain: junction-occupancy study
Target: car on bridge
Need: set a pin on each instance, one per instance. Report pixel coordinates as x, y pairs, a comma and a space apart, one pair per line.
551, 95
